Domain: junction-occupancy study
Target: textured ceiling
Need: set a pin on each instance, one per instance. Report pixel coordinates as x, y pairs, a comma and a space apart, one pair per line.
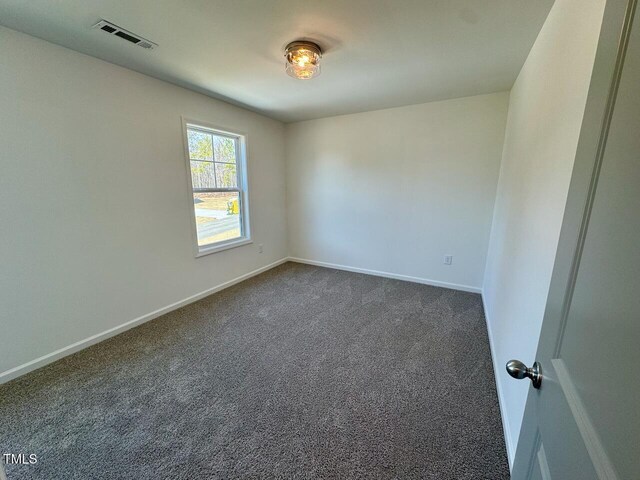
379, 53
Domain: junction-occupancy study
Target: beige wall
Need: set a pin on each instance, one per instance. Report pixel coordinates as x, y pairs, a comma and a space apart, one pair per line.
546, 108
94, 203
395, 190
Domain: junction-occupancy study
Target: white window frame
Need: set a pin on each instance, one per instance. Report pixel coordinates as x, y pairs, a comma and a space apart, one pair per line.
243, 186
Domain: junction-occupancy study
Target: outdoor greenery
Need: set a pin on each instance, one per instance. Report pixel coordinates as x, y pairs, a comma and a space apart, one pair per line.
213, 160
213, 165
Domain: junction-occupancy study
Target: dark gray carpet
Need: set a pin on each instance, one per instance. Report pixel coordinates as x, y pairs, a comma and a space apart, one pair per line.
301, 372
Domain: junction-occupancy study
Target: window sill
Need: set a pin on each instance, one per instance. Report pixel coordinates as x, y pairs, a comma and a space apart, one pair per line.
223, 246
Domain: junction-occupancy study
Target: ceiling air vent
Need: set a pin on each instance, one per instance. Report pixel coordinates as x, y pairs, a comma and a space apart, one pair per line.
113, 29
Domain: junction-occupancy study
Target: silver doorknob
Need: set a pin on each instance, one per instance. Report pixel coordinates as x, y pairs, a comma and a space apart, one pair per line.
519, 370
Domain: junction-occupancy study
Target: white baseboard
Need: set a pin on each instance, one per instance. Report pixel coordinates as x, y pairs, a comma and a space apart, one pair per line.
92, 340
497, 370
377, 273
87, 342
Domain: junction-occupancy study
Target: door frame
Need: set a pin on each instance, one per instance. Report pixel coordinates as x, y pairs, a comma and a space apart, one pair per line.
601, 99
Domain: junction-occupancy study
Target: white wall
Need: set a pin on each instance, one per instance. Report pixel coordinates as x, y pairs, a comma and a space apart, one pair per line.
94, 204
395, 190
546, 109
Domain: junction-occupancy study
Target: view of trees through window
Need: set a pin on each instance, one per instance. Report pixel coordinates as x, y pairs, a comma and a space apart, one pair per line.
216, 189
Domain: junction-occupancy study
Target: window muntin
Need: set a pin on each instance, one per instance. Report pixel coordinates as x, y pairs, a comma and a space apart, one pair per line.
216, 162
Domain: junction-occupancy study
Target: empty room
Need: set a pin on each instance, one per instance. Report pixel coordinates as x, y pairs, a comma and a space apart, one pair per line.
319, 239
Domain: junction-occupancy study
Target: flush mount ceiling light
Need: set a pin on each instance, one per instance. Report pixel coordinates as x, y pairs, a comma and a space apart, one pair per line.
303, 59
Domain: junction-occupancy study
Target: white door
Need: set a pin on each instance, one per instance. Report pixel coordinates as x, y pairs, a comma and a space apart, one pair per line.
583, 422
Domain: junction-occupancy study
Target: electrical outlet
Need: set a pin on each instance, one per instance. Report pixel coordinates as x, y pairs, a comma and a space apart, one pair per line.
448, 259
260, 248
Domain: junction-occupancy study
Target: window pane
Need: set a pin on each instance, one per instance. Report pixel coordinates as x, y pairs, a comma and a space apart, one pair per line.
217, 216
200, 145
226, 175
224, 149
203, 174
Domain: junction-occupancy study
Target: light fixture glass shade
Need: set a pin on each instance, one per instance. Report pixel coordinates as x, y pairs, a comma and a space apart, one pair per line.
303, 60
